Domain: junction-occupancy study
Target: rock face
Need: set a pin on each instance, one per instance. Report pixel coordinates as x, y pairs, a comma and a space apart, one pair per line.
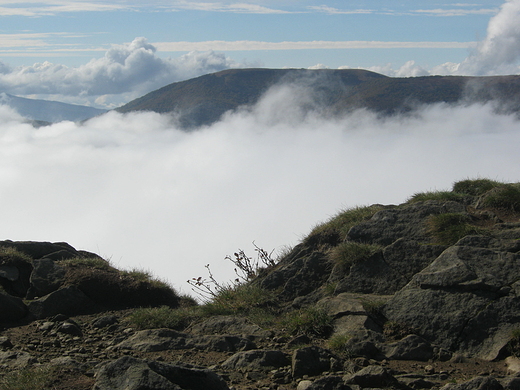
475, 282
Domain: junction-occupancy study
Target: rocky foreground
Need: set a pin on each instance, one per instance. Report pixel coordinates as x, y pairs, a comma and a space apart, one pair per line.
424, 295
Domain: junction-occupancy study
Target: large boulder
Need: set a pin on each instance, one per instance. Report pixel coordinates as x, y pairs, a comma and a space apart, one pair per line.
466, 300
256, 360
46, 277
128, 373
12, 309
68, 300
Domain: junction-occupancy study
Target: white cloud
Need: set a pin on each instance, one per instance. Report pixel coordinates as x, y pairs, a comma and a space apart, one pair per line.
31, 8
306, 45
499, 52
138, 190
455, 12
246, 8
336, 11
126, 71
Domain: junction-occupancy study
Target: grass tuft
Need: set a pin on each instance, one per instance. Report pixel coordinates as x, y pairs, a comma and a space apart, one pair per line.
506, 196
339, 344
475, 187
28, 379
347, 254
309, 321
449, 228
336, 228
90, 262
162, 317
442, 196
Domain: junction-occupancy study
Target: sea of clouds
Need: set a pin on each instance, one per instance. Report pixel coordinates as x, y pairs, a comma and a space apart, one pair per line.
136, 189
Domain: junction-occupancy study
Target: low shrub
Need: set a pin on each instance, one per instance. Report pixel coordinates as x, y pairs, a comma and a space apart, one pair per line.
475, 187
310, 321
448, 228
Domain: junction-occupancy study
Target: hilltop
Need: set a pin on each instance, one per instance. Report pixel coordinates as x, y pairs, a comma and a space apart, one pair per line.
421, 295
203, 100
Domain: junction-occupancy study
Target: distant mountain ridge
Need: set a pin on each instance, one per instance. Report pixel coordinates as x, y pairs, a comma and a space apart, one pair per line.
203, 100
49, 111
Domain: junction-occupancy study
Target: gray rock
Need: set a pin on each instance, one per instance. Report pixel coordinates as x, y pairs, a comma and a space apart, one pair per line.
411, 347
372, 376
256, 360
299, 274
311, 361
388, 226
189, 377
128, 373
229, 325
46, 277
11, 308
16, 359
329, 383
152, 340
104, 321
37, 250
70, 328
67, 300
9, 272
478, 383
462, 301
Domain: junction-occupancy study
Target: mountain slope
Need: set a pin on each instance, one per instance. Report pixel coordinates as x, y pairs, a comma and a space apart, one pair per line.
49, 111
203, 100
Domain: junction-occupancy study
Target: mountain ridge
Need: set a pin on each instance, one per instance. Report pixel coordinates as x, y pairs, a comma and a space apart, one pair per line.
203, 100
48, 111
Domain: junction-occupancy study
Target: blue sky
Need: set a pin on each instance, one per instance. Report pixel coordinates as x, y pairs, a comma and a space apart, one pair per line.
73, 32
107, 52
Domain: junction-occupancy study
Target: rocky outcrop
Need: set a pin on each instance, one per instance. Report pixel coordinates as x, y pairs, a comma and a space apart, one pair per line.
55, 278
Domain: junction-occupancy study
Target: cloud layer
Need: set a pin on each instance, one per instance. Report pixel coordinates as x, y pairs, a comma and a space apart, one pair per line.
125, 72
136, 189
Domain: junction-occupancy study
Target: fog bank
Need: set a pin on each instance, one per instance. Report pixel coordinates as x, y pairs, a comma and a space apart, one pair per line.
137, 190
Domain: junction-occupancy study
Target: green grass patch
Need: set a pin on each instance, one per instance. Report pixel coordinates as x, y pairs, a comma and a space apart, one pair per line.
143, 276
336, 228
162, 317
28, 379
347, 254
442, 196
475, 187
339, 344
89, 262
10, 255
506, 196
448, 228
373, 307
238, 299
309, 321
